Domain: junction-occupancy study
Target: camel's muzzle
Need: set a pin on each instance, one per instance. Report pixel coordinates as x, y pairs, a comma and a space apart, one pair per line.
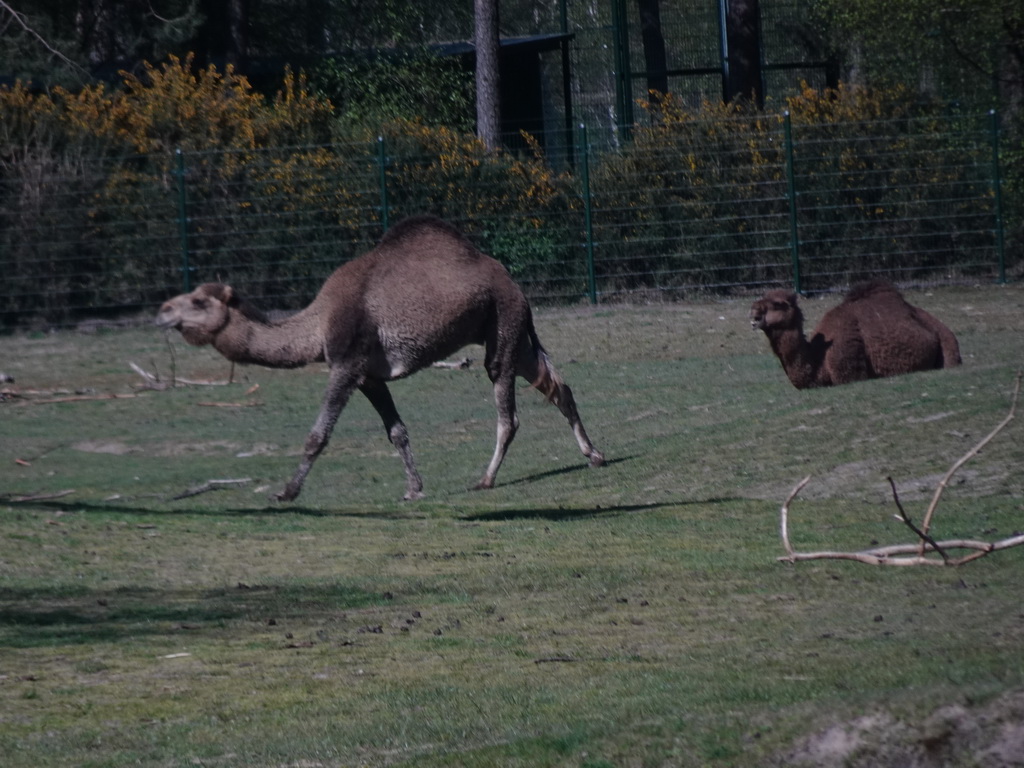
166, 320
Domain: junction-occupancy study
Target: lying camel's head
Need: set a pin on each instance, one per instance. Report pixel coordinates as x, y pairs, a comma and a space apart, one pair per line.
201, 314
776, 309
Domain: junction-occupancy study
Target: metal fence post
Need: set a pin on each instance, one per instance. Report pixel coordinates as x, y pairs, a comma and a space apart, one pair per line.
997, 190
623, 69
382, 170
588, 220
186, 269
794, 242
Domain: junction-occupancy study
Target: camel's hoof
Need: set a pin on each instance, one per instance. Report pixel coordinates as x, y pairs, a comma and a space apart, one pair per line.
285, 495
483, 485
414, 495
597, 459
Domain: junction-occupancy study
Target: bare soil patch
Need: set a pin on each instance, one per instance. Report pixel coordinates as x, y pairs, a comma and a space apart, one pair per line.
988, 735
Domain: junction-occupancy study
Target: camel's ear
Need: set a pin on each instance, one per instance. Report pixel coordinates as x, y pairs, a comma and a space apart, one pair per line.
222, 293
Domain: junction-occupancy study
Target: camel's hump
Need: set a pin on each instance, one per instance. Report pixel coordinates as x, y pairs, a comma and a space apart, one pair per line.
414, 226
871, 288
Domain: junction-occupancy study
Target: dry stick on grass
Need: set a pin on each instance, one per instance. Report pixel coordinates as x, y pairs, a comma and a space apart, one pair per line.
170, 349
924, 537
971, 454
454, 364
211, 485
154, 381
253, 404
916, 553
80, 398
38, 496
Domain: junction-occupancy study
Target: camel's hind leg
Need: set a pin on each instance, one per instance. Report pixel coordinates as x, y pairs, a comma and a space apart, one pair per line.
537, 369
339, 388
533, 364
379, 395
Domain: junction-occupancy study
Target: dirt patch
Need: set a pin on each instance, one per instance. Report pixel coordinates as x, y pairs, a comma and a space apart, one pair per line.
173, 449
866, 481
112, 447
989, 736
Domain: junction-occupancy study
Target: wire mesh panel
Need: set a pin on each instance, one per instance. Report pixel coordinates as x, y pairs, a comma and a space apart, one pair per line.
97, 236
277, 222
909, 199
692, 204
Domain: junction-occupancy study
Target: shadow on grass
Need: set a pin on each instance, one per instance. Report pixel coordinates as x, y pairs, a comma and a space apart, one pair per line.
566, 470
62, 615
406, 512
80, 507
562, 513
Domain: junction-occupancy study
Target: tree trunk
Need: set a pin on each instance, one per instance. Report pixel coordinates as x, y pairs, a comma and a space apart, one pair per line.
743, 34
488, 103
655, 60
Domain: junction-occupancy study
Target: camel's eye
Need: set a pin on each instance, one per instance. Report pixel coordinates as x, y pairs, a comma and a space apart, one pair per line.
199, 303
779, 305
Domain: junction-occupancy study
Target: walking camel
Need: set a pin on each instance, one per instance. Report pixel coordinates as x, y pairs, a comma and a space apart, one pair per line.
874, 333
420, 295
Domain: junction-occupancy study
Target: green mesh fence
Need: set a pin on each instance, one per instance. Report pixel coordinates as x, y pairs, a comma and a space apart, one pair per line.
697, 207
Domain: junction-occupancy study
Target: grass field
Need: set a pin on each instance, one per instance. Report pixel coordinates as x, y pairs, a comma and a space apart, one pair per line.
633, 615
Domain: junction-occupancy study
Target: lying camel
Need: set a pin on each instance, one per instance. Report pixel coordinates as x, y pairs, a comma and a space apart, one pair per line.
420, 295
872, 334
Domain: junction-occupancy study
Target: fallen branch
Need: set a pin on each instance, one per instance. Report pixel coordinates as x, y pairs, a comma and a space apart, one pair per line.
917, 552
252, 404
924, 537
941, 487
38, 496
79, 398
155, 381
211, 485
456, 364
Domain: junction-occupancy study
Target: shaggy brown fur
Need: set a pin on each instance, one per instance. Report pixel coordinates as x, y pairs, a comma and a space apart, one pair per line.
872, 334
421, 295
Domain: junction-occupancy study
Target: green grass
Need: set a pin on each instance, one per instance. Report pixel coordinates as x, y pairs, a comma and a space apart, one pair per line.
634, 615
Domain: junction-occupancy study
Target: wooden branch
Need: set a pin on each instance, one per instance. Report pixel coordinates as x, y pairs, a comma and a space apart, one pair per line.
916, 553
455, 364
211, 485
906, 519
154, 380
941, 487
80, 398
784, 525
253, 404
40, 39
38, 496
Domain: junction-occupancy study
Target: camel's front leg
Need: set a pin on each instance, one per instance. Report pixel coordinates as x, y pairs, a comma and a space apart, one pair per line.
379, 396
339, 388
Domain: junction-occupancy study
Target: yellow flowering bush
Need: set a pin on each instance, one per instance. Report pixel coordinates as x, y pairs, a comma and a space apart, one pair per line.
112, 197
515, 205
700, 198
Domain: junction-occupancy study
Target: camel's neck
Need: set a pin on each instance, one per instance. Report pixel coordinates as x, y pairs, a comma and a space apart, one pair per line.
289, 343
797, 357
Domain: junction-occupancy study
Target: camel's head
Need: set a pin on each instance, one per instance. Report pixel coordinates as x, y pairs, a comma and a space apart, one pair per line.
776, 310
199, 315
